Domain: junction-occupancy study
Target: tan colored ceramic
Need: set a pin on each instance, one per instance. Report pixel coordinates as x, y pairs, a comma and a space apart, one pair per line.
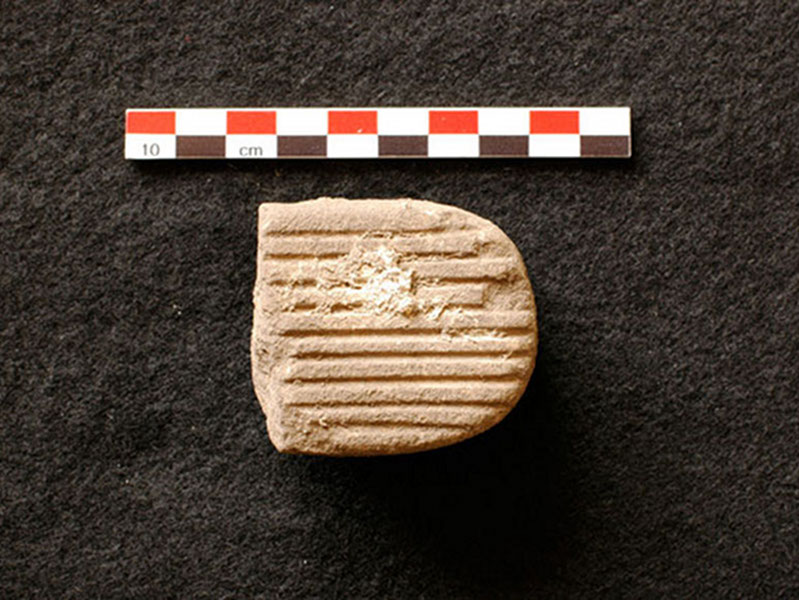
386, 326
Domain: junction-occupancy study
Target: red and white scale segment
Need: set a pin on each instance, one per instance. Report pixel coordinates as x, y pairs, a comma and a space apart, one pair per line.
187, 133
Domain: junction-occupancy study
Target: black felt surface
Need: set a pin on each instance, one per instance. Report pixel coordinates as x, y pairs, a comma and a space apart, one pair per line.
655, 454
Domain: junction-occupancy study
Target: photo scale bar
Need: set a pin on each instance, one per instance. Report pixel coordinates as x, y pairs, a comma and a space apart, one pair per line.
286, 133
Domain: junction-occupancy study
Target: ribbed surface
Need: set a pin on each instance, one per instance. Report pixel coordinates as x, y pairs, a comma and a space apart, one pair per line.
386, 326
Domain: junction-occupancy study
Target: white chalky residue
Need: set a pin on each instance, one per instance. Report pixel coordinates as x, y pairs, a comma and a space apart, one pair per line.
383, 285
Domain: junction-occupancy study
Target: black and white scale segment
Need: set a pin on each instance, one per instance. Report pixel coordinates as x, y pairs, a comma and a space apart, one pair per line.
491, 132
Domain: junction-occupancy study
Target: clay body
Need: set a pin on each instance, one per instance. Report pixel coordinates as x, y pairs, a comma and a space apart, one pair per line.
386, 326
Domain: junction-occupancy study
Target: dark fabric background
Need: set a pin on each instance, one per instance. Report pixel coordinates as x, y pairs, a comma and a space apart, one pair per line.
656, 452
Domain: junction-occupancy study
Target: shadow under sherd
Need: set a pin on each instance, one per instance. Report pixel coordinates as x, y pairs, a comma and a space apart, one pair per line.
487, 509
